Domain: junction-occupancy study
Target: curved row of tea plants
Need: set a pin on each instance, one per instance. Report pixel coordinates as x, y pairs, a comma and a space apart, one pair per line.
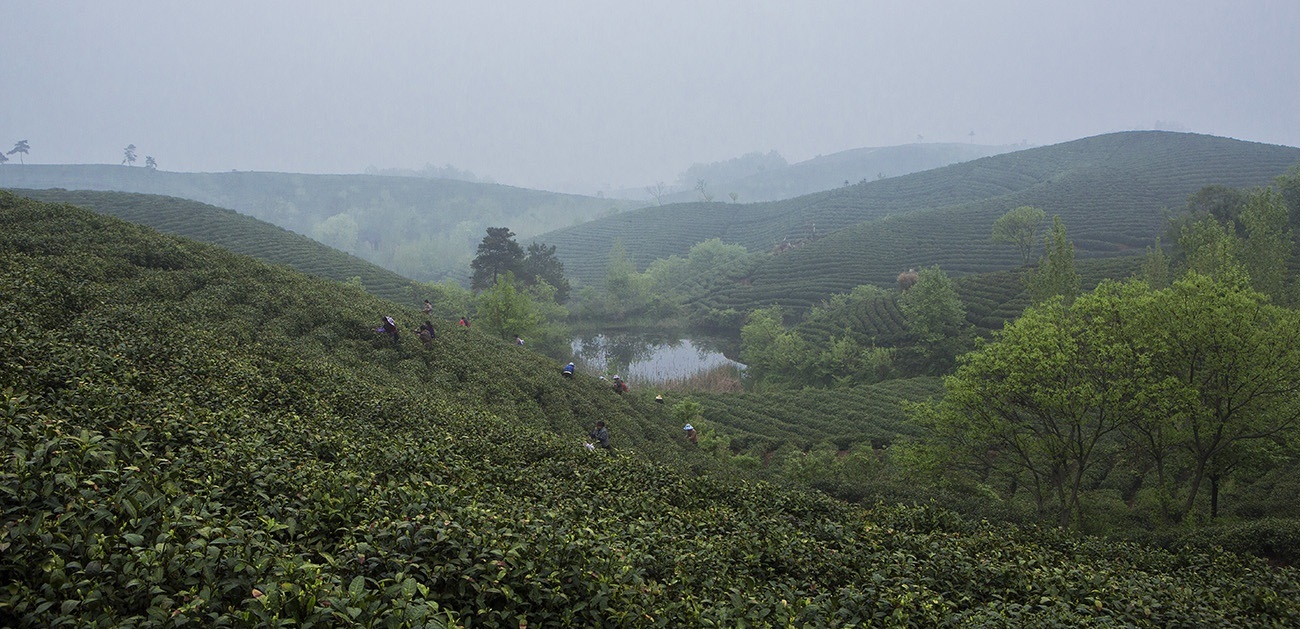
844, 417
193, 437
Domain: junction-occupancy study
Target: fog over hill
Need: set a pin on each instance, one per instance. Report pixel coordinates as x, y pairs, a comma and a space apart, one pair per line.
427, 227
764, 182
583, 96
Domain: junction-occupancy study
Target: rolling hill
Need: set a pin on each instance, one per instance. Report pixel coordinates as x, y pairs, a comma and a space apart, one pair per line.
238, 233
827, 172
196, 437
1111, 191
425, 229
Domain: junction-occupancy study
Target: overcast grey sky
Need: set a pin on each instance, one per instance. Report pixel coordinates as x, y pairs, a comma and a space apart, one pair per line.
587, 95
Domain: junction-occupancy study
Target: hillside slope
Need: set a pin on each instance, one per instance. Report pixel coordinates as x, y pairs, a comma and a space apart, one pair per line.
827, 172
192, 436
1111, 191
238, 233
425, 229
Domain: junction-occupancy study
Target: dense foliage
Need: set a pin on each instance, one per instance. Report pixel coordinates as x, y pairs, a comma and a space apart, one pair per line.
1163, 387
194, 437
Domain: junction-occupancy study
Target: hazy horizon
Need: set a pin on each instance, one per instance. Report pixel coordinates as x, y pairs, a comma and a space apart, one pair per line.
584, 96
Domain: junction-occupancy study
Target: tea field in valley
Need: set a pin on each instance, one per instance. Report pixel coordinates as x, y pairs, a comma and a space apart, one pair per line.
193, 436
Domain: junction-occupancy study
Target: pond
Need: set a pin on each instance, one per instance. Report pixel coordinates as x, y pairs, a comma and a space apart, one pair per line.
650, 357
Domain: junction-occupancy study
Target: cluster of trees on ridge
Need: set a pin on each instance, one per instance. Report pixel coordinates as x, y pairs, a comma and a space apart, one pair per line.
129, 158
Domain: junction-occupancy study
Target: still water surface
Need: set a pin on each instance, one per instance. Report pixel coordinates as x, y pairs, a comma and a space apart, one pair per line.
648, 357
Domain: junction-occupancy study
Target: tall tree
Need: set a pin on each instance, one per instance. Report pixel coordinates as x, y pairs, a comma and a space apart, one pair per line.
1220, 202
541, 265
1157, 268
701, 190
932, 307
1022, 227
497, 254
1232, 361
777, 356
934, 317
628, 292
129, 155
504, 311
1040, 401
1268, 244
21, 147
1288, 184
656, 191
1208, 246
1056, 275
1197, 379
150, 163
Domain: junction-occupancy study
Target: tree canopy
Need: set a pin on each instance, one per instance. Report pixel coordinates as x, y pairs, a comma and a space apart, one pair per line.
1056, 275
497, 254
934, 317
541, 265
1185, 379
1022, 227
21, 147
502, 310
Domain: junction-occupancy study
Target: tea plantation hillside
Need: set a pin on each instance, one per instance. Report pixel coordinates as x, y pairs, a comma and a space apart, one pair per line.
425, 229
870, 415
196, 437
990, 300
1111, 191
239, 233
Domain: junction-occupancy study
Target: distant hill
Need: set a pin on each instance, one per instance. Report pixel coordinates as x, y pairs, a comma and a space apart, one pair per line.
1111, 191
826, 172
425, 229
241, 234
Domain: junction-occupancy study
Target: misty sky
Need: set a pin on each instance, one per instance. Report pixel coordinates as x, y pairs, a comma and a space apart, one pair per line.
582, 96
